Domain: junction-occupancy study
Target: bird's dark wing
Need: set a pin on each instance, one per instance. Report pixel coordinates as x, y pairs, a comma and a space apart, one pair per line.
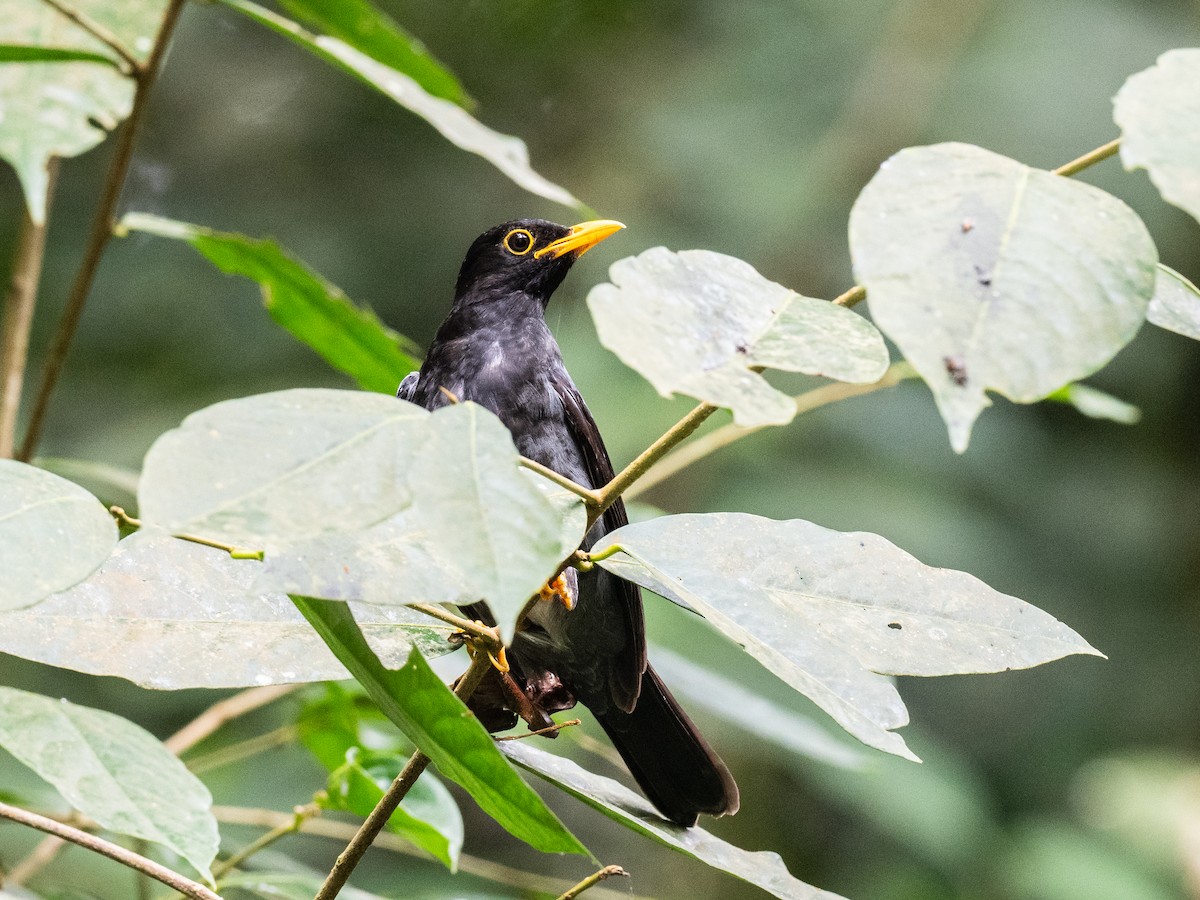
600, 471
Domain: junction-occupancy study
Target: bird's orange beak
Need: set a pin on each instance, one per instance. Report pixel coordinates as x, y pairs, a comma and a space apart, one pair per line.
581, 238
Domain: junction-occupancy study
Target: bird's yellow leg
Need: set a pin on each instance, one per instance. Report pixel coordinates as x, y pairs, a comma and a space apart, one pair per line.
499, 658
558, 589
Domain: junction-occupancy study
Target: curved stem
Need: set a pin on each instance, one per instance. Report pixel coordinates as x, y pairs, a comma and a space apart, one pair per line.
588, 496
592, 880
149, 867
101, 232
729, 434
1075, 166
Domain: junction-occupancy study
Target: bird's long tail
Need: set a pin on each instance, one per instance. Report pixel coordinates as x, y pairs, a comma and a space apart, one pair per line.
671, 762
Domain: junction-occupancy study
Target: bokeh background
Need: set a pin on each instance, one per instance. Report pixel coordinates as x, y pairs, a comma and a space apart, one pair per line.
746, 128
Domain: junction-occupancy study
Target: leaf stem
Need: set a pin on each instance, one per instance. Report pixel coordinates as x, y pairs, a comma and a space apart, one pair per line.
856, 294
101, 231
349, 858
592, 880
728, 434
1075, 166
19, 305
556, 727
149, 867
132, 66
652, 454
590, 497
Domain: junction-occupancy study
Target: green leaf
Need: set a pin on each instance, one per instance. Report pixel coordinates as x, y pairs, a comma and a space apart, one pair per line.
26, 53
170, 614
1158, 111
351, 339
444, 729
427, 816
373, 32
762, 868
1175, 305
52, 534
506, 153
342, 718
832, 613
66, 108
113, 771
990, 275
1096, 404
362, 497
698, 322
752, 714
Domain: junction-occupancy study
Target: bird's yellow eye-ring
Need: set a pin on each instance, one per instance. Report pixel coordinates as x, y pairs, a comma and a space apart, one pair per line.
518, 242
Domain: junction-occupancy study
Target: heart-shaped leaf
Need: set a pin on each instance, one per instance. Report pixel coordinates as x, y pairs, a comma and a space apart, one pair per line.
990, 275
699, 323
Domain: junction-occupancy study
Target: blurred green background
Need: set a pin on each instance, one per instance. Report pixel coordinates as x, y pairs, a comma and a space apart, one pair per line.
746, 128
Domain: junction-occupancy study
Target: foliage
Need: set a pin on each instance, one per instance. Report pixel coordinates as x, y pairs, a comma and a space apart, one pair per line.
305, 534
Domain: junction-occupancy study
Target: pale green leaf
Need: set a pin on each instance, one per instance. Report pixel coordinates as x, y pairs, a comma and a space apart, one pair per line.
112, 771
762, 868
357, 496
170, 614
506, 153
442, 727
1096, 404
350, 338
428, 816
65, 108
26, 53
698, 322
1175, 305
832, 613
52, 534
1158, 111
990, 275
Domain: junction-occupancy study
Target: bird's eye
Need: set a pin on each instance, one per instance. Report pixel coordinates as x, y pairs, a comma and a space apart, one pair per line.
518, 241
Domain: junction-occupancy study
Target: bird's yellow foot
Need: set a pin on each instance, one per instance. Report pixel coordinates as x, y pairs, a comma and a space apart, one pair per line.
559, 589
499, 659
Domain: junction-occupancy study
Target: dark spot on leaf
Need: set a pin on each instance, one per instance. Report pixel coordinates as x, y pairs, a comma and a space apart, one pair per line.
895, 626
96, 123
742, 348
983, 277
956, 368
967, 225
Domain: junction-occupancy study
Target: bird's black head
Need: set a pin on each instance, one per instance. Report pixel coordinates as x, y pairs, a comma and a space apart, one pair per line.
526, 256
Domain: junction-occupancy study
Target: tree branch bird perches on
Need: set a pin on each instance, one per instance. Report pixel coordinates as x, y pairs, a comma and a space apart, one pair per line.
495, 349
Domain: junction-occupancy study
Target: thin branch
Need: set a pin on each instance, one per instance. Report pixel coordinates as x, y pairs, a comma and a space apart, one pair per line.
728, 434
236, 752
487, 635
300, 815
856, 294
588, 496
680, 431
556, 727
185, 886
132, 65
349, 858
344, 831
19, 304
592, 880
1075, 166
224, 711
100, 233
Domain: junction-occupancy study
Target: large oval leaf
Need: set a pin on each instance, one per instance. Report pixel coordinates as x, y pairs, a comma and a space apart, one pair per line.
831, 613
52, 534
699, 322
362, 497
990, 275
761, 868
169, 614
113, 771
1158, 111
64, 108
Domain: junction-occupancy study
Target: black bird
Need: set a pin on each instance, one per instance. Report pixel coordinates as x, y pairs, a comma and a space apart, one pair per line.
495, 349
